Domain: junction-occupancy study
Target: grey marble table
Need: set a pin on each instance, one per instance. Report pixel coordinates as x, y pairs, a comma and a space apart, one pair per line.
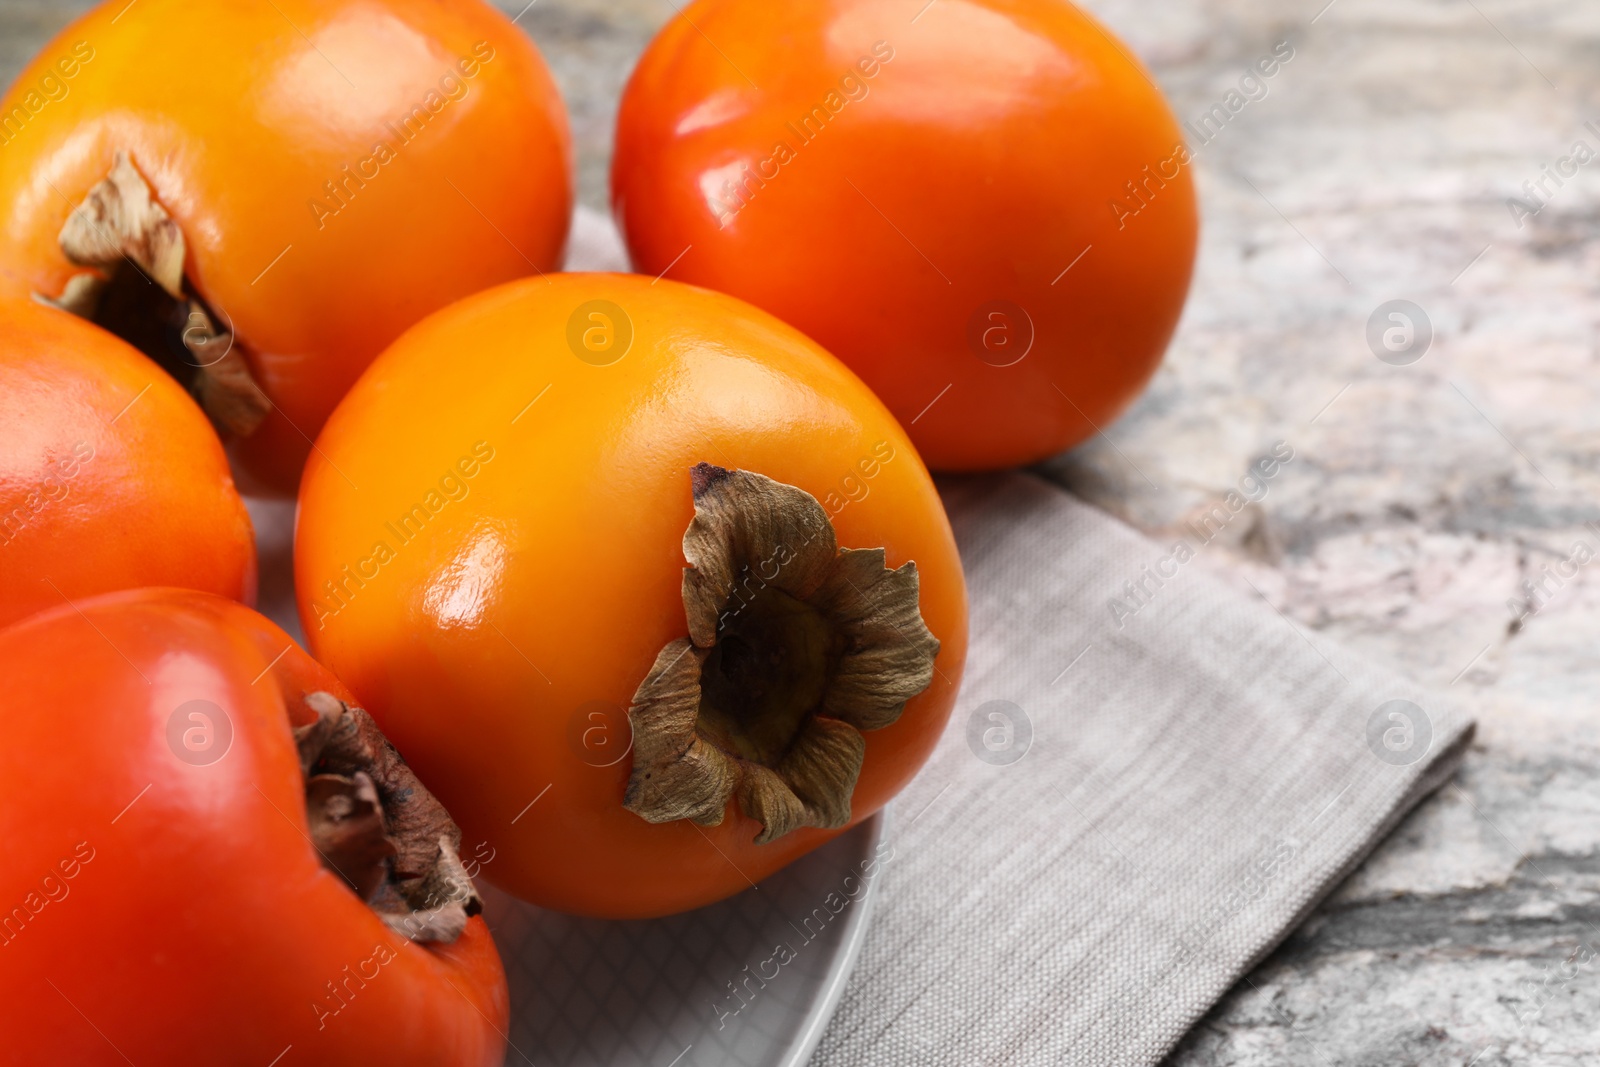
1378, 166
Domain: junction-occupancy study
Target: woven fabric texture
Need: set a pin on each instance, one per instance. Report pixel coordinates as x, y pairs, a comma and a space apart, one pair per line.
1131, 805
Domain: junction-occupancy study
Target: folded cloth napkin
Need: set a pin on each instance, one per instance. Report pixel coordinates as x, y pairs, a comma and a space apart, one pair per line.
1148, 782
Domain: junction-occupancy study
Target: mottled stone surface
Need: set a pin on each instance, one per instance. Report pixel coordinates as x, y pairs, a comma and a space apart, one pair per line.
1377, 167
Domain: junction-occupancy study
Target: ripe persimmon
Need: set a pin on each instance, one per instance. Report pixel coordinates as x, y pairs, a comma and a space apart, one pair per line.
110, 477
213, 857
263, 196
983, 207
491, 550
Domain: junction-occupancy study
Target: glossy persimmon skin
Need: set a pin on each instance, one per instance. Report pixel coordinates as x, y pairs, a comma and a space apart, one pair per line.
982, 155
236, 114
174, 911
549, 577
110, 477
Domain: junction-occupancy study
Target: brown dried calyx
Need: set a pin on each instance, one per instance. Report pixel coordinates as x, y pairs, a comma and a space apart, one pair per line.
795, 647
378, 827
137, 292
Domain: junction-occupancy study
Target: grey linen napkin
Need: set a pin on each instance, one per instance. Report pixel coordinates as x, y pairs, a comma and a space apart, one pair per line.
1131, 806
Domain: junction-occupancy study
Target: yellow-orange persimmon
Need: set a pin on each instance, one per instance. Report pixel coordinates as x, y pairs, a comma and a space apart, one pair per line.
277, 190
110, 478
491, 550
984, 207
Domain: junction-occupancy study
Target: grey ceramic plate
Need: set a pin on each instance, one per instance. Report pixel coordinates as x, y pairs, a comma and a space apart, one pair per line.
712, 988
749, 982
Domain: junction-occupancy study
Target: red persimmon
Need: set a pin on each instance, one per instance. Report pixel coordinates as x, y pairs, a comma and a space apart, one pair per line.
983, 207
173, 765
110, 477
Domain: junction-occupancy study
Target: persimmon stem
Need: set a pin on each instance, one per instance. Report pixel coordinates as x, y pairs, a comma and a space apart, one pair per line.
138, 291
376, 825
795, 647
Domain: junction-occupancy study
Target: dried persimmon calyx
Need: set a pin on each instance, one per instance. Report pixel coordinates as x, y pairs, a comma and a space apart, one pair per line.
795, 648
376, 826
136, 289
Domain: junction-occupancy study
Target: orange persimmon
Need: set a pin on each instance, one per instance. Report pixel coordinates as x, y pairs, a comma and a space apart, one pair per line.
110, 477
491, 552
263, 196
983, 207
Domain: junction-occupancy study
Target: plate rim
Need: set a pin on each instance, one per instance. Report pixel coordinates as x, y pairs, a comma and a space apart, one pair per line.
855, 937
